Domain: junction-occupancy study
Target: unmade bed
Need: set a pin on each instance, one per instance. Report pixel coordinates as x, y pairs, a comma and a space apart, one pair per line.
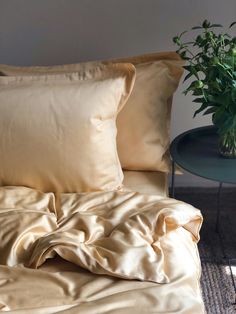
86, 222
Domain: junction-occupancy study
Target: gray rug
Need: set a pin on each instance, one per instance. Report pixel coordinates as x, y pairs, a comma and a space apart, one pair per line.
217, 286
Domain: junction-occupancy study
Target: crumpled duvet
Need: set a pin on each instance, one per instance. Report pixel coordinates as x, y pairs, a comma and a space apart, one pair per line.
120, 234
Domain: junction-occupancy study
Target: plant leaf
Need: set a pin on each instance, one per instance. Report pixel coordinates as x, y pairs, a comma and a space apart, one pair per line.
215, 25
197, 27
188, 76
176, 40
203, 107
219, 116
210, 110
197, 92
227, 124
199, 100
206, 24
232, 24
223, 100
184, 32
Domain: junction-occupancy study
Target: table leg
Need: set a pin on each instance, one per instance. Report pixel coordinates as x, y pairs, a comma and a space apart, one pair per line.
217, 226
172, 192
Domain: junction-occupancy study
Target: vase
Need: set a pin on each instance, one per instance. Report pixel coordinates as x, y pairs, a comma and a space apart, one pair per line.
227, 144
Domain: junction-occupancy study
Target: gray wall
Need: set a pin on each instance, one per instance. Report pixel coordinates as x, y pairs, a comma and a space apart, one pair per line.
47, 32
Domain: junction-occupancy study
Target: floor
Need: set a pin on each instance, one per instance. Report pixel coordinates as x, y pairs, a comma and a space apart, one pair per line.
217, 285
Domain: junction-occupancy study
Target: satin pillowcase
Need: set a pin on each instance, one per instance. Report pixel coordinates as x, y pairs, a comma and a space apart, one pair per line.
144, 123
58, 132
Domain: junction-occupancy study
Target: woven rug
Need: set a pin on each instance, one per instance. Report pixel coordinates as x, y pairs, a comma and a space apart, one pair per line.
216, 282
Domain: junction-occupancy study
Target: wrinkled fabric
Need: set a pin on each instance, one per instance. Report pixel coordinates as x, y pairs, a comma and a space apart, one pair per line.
25, 216
100, 252
61, 287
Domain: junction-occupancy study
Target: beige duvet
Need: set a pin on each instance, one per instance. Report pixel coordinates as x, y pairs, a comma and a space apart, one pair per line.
101, 252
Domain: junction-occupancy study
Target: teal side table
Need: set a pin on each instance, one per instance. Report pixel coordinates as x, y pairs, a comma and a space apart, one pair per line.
197, 152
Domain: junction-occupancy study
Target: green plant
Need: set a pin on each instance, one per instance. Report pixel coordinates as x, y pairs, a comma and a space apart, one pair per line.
211, 66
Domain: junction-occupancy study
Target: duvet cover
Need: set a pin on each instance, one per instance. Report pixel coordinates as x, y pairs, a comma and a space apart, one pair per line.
98, 252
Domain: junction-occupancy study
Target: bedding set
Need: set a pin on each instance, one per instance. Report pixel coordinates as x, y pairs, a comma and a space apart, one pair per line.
86, 225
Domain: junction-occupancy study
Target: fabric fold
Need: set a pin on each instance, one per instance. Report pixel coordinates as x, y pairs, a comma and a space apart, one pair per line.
25, 216
125, 240
101, 252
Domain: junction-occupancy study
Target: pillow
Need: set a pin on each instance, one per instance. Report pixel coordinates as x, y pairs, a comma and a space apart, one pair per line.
58, 132
144, 123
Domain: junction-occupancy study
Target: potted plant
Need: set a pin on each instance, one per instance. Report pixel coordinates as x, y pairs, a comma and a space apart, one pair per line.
211, 66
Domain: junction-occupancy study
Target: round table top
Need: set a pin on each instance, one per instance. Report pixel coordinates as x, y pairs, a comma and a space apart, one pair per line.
197, 152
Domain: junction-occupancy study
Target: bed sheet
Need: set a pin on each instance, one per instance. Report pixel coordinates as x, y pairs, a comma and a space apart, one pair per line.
152, 266
147, 182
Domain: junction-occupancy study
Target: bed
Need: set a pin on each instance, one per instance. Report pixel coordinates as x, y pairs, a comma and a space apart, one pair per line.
85, 229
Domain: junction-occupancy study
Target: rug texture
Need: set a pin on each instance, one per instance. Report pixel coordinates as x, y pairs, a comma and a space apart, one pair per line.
216, 251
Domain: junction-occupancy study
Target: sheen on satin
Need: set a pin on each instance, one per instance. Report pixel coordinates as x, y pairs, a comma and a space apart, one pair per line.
146, 182
58, 132
115, 235
143, 125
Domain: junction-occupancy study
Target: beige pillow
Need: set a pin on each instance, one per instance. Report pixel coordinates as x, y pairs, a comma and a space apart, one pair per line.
144, 123
58, 132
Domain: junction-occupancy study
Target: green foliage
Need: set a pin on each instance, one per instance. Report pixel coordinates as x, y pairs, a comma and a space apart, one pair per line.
211, 66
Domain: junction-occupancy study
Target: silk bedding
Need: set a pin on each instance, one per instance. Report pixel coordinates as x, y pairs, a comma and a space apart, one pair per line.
98, 252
